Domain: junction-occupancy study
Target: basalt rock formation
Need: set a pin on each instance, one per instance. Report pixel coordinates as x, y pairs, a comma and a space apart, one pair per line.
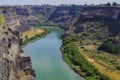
96, 27
101, 24
100, 21
14, 64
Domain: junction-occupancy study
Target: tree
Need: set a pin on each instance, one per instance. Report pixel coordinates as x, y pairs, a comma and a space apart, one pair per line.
114, 4
118, 67
108, 4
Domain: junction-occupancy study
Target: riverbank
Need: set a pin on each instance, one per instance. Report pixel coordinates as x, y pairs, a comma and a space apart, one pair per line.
78, 63
34, 34
46, 58
105, 63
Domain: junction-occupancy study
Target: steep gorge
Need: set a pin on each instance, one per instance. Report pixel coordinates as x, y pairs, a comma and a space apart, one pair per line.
89, 26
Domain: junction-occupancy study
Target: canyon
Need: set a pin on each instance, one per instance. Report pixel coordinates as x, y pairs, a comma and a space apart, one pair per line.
94, 29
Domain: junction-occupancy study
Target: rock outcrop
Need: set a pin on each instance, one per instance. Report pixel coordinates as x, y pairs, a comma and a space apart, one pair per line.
14, 64
108, 16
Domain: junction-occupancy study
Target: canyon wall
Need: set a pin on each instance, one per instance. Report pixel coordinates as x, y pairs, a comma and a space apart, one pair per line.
14, 64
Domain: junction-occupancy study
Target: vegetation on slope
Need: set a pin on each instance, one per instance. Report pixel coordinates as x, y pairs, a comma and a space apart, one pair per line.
95, 33
92, 31
106, 63
2, 19
110, 47
34, 34
78, 62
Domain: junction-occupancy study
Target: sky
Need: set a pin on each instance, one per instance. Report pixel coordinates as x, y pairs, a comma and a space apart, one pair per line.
54, 2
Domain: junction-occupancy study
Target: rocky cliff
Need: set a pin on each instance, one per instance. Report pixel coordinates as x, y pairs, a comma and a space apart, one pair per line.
14, 64
109, 16
93, 28
100, 21
100, 24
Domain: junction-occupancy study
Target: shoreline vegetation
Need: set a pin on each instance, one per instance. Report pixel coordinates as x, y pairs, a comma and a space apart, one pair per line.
70, 53
92, 64
72, 56
37, 33
107, 64
78, 62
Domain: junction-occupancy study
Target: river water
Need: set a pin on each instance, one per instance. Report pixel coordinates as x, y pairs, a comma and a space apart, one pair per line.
47, 58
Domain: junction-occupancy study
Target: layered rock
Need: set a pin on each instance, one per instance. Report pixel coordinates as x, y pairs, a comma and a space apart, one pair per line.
109, 16
14, 64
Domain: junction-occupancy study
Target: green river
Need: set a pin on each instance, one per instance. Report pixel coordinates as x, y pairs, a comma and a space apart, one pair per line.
47, 58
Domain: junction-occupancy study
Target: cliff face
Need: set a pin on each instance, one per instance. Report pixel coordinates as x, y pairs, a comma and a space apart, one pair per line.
109, 16
100, 21
14, 64
100, 24
45, 14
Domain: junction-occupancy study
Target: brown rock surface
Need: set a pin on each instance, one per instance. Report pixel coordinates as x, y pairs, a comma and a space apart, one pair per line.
13, 62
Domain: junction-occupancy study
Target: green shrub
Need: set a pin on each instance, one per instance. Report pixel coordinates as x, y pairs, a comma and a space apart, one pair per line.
2, 19
110, 47
118, 67
71, 53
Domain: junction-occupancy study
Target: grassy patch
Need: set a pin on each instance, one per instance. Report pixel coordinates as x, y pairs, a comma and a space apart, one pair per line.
77, 61
91, 78
2, 19
106, 64
35, 37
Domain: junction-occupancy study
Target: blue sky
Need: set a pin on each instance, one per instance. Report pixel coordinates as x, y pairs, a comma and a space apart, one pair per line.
53, 2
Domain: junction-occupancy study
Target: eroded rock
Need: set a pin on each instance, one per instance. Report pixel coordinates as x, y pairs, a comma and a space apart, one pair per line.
13, 62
